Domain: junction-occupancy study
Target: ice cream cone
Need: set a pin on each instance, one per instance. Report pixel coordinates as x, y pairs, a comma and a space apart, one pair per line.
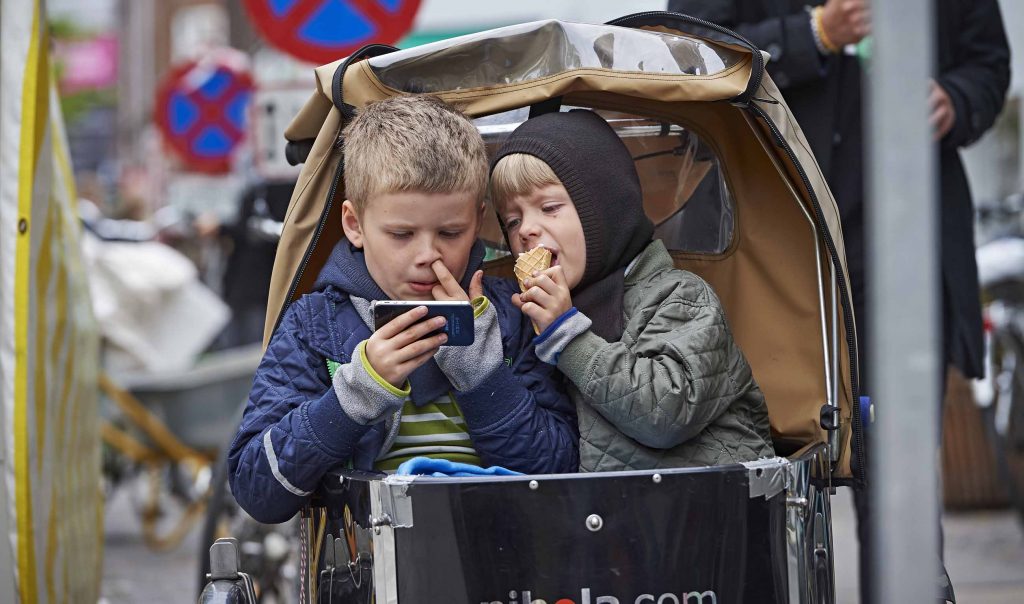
535, 260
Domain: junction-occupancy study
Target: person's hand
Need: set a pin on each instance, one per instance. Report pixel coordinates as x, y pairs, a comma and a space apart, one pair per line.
845, 21
943, 112
546, 298
399, 347
207, 225
448, 288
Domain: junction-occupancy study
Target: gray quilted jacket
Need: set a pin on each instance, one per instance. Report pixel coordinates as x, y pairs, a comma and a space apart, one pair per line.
675, 390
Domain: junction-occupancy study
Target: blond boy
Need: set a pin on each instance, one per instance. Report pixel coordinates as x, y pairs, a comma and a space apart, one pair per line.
331, 392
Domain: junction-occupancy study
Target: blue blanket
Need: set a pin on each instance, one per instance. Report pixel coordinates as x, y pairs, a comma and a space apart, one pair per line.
442, 468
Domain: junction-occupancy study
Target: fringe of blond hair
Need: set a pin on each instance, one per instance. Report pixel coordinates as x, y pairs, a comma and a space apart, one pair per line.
518, 174
412, 143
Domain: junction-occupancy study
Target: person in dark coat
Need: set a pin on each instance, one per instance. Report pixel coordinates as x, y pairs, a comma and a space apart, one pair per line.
810, 43
253, 236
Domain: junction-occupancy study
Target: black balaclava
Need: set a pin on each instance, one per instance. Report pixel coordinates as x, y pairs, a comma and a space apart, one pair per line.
597, 171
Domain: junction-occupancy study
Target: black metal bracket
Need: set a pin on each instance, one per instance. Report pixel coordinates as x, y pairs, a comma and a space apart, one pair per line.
829, 417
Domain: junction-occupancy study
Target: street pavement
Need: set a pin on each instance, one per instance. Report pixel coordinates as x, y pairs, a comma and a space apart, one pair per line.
132, 572
984, 555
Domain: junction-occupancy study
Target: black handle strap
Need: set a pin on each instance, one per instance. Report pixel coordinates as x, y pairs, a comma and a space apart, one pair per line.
366, 52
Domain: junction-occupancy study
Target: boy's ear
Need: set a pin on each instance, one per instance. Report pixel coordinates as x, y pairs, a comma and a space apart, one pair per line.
350, 223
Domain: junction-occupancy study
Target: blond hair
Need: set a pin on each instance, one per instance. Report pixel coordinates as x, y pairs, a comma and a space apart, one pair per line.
412, 143
518, 174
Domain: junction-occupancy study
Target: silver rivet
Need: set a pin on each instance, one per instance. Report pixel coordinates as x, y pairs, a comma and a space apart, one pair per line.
22, 226
656, 478
533, 485
594, 523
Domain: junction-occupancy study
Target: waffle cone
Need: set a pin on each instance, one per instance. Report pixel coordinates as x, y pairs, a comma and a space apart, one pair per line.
537, 259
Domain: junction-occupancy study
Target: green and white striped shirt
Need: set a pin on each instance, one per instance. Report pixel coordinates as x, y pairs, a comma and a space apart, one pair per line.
436, 430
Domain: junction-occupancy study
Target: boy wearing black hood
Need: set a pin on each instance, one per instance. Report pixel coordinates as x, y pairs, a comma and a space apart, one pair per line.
331, 393
657, 378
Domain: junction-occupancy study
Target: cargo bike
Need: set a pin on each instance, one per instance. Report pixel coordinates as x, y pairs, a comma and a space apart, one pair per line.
738, 199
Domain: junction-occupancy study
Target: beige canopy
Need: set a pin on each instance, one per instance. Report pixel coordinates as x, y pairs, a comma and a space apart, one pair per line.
784, 245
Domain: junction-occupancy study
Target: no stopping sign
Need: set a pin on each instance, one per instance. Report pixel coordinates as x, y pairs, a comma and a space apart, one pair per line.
321, 31
201, 111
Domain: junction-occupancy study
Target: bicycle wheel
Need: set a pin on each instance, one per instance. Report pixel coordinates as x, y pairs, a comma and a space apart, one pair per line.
1004, 418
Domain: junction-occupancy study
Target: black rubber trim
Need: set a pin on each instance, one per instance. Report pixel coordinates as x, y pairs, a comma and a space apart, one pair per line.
552, 105
705, 29
366, 52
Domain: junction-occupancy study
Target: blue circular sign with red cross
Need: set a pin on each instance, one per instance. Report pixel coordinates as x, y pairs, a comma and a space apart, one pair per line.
201, 111
321, 31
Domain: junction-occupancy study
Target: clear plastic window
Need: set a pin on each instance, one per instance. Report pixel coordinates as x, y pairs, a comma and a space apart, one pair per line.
685, 192
530, 51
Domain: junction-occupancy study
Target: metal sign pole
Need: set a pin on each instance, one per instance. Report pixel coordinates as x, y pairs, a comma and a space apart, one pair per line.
904, 292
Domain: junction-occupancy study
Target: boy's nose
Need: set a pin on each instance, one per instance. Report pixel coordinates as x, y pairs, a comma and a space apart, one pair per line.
528, 231
427, 253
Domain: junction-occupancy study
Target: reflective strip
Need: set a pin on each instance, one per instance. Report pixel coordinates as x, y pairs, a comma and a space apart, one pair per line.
268, 448
431, 417
427, 438
413, 451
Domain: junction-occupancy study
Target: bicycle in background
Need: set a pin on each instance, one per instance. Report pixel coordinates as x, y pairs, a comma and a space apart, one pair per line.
1000, 394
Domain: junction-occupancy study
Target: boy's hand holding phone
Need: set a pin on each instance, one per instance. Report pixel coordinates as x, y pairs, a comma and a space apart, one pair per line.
399, 347
546, 298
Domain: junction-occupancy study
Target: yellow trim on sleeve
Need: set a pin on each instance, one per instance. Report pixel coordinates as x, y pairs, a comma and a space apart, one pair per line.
404, 392
480, 304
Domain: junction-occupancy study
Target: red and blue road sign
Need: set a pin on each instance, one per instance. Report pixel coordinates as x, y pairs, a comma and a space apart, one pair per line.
322, 31
201, 110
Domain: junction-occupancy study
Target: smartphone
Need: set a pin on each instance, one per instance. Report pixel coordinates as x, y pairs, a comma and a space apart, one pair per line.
458, 317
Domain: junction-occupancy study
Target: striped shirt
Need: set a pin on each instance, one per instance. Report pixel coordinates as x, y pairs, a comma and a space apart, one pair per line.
436, 430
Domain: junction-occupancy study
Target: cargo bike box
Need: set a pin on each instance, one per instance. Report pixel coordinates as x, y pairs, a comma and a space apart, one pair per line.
738, 199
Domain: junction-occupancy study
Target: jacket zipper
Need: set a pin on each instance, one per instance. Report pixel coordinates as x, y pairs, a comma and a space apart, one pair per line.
858, 446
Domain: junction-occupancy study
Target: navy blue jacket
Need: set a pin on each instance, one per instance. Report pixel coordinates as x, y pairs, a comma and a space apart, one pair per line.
294, 430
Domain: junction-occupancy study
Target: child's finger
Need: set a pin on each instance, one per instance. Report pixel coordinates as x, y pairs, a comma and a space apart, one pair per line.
557, 275
517, 301
476, 285
448, 282
421, 347
401, 322
532, 310
418, 331
417, 361
544, 282
539, 297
